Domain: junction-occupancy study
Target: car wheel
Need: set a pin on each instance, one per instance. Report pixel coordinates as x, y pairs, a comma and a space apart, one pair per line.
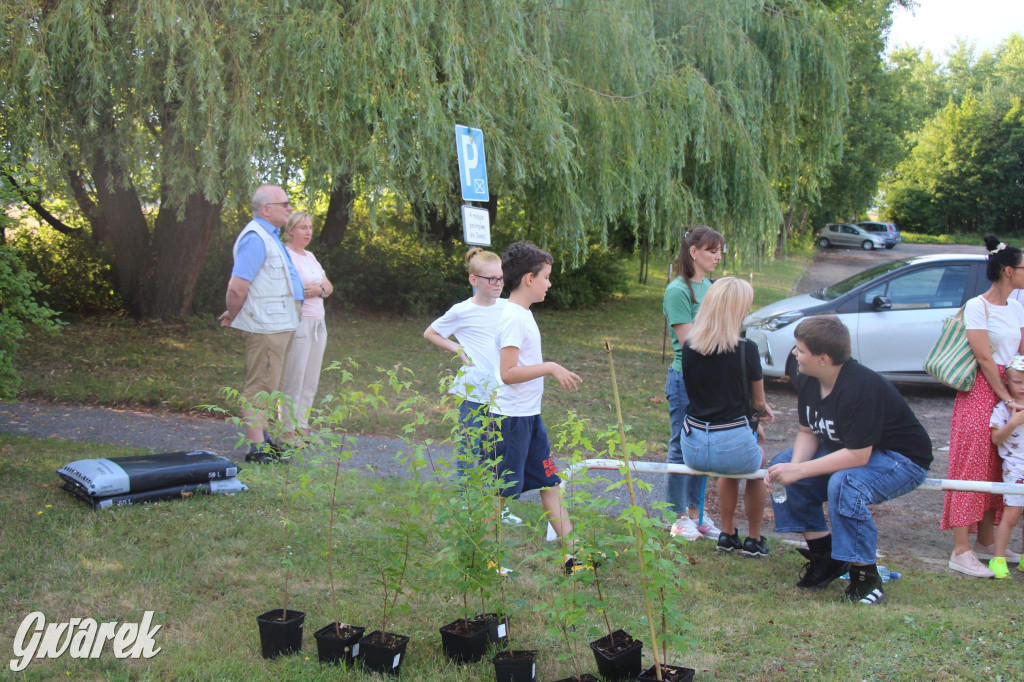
867, 245
823, 243
791, 370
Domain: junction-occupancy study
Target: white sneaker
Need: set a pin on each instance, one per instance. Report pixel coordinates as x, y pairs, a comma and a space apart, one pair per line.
708, 529
510, 518
968, 564
686, 528
987, 552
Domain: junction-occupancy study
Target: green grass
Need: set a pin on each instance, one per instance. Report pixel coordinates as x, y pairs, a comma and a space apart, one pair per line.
208, 565
115, 361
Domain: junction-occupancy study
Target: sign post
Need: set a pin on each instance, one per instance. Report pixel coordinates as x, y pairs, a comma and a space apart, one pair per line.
476, 222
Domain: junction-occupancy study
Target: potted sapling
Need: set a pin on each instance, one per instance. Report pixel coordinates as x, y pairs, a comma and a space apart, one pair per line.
659, 566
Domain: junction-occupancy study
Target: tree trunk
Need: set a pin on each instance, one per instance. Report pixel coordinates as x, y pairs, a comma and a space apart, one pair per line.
128, 234
339, 211
437, 225
180, 249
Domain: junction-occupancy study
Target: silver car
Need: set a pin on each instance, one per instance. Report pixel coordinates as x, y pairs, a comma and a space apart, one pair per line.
845, 234
894, 312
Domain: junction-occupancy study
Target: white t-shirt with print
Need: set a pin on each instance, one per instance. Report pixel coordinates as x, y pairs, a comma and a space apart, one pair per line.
1011, 449
1003, 323
518, 328
474, 326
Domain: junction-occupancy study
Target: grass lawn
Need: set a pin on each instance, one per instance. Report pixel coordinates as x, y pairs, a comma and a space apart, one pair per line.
115, 361
208, 565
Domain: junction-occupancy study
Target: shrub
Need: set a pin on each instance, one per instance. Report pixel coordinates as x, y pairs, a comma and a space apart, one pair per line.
600, 278
76, 277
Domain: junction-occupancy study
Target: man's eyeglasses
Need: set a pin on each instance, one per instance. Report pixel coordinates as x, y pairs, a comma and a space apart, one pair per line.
491, 280
278, 203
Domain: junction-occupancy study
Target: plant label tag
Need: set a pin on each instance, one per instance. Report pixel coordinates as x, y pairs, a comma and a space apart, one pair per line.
533, 671
355, 649
394, 664
501, 631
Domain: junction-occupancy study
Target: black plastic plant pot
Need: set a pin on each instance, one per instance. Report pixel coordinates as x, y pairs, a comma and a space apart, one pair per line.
669, 673
465, 641
586, 677
338, 643
622, 660
383, 652
279, 637
515, 666
497, 628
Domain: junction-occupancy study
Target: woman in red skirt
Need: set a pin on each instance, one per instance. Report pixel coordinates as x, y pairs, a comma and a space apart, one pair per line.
995, 329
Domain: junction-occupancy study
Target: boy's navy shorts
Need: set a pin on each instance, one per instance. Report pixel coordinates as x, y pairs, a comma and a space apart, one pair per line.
525, 453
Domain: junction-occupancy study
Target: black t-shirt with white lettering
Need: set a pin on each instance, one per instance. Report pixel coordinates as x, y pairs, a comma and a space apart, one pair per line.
714, 383
863, 410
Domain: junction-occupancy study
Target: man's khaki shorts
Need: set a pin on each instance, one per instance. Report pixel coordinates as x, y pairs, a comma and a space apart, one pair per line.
265, 357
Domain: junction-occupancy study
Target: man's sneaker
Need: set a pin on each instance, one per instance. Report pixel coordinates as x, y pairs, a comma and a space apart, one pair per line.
727, 543
708, 529
986, 552
262, 454
865, 588
510, 518
997, 565
685, 528
968, 564
754, 548
820, 571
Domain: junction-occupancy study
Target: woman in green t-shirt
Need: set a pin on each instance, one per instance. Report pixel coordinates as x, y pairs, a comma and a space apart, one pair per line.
699, 254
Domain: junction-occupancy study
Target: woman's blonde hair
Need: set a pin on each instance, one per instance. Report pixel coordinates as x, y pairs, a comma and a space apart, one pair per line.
293, 220
476, 258
716, 329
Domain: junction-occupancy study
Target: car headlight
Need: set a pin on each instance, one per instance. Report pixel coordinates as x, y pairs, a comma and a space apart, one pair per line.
779, 321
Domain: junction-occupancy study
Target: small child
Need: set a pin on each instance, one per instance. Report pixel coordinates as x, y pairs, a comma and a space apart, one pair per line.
1008, 436
474, 323
524, 447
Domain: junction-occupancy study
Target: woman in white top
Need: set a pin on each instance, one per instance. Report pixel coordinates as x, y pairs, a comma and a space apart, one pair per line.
306, 353
995, 330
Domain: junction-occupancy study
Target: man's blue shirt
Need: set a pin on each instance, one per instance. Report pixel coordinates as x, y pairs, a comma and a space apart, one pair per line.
252, 253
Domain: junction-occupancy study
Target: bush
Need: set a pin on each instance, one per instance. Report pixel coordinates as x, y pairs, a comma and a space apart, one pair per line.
599, 279
76, 277
18, 306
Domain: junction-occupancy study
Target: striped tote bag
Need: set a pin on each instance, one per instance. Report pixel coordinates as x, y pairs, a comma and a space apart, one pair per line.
951, 360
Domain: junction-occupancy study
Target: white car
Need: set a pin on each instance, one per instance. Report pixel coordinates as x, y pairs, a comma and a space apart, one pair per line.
894, 312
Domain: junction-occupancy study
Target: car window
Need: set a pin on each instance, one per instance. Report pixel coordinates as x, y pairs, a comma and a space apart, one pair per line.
850, 283
849, 230
938, 287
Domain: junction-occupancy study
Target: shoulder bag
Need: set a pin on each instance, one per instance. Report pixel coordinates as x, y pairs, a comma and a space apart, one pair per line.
951, 359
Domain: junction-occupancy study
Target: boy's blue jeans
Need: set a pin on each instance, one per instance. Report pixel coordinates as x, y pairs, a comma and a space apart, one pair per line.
683, 491
848, 492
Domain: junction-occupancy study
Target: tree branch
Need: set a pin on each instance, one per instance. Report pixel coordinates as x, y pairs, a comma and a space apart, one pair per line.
52, 220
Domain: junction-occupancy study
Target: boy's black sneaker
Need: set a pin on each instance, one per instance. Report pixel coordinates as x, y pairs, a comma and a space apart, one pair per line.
865, 588
263, 454
728, 543
820, 571
754, 549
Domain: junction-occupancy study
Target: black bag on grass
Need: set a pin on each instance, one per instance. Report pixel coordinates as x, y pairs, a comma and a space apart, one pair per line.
218, 486
122, 475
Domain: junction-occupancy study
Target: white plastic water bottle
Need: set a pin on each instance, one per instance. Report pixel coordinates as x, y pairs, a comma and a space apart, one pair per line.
778, 492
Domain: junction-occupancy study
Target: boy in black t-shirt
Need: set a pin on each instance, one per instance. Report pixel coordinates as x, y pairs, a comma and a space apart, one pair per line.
858, 444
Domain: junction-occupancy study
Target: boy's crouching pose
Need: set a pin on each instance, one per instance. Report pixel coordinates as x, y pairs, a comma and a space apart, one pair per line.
859, 444
526, 462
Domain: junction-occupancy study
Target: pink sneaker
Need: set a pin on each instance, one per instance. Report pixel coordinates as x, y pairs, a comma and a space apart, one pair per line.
968, 564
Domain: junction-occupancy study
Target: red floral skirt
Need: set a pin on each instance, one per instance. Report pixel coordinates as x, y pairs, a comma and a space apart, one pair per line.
972, 456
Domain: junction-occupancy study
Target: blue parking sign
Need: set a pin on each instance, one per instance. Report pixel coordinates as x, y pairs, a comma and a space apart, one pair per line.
469, 143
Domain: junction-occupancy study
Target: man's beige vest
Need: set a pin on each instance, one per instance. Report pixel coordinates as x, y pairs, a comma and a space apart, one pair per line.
269, 306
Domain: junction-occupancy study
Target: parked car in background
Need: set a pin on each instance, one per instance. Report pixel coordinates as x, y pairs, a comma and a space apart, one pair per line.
846, 234
892, 235
894, 312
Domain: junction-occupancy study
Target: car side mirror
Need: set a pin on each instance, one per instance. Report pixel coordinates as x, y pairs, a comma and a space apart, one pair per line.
881, 303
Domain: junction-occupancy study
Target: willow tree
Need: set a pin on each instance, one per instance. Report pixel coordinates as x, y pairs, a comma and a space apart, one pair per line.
651, 114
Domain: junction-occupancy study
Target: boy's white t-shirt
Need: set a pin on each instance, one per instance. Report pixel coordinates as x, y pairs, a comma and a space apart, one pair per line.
474, 326
1003, 324
518, 328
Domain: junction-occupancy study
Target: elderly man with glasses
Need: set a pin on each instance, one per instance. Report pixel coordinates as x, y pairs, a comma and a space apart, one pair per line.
263, 300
